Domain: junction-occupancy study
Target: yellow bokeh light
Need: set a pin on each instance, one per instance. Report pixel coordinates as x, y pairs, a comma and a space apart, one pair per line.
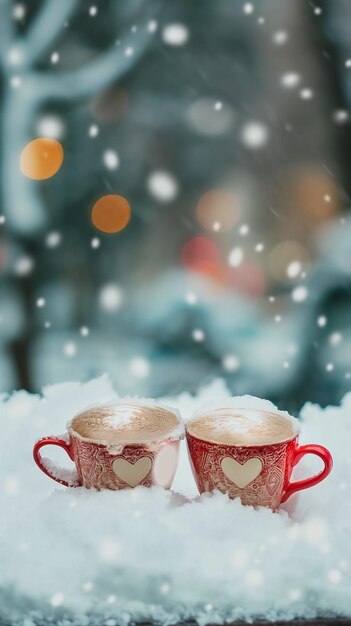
286, 253
218, 210
111, 213
311, 195
41, 158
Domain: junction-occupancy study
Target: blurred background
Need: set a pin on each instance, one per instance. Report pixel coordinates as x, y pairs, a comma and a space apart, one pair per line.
221, 132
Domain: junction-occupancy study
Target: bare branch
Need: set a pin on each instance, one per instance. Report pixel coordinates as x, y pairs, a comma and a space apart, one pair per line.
46, 27
7, 31
110, 66
21, 203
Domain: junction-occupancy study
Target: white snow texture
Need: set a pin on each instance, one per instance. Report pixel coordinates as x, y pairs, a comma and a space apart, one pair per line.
77, 556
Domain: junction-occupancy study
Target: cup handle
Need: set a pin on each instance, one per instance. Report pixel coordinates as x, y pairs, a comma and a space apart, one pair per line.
49, 468
300, 451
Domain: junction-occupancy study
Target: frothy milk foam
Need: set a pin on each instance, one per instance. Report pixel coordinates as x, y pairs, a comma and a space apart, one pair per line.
246, 427
121, 422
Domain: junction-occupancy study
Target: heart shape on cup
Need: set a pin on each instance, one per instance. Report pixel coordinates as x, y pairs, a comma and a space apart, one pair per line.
241, 474
132, 473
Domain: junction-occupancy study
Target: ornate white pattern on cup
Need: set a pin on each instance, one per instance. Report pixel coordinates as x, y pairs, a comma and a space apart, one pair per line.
264, 489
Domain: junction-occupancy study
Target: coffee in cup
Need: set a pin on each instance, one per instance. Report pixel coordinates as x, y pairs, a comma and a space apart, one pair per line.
123, 443
241, 427
249, 452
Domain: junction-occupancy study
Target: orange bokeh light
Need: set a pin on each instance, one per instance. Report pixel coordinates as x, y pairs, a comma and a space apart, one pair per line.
111, 213
217, 210
41, 158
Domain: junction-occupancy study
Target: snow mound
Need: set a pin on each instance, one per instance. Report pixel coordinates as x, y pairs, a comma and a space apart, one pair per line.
83, 557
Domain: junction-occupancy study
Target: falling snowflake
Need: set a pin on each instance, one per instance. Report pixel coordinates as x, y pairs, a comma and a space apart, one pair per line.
111, 159
230, 363
254, 135
244, 230
290, 80
110, 297
15, 82
295, 595
19, 11
165, 588
248, 8
175, 34
334, 576
140, 367
198, 335
239, 558
70, 349
299, 294
191, 298
109, 550
95, 243
14, 56
11, 485
57, 599
294, 269
254, 578
93, 130
340, 116
53, 239
55, 57
152, 26
280, 37
24, 266
235, 257
50, 126
335, 339
162, 186
306, 94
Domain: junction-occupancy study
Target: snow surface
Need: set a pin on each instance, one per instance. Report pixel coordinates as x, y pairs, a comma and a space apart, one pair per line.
79, 556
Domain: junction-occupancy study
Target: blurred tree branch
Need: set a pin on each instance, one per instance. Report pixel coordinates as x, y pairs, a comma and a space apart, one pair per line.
97, 74
26, 90
22, 202
46, 28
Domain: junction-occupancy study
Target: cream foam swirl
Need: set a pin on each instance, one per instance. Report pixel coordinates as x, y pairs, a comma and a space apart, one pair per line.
241, 426
127, 421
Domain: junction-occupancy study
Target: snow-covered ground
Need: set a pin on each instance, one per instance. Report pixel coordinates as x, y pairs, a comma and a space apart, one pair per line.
148, 554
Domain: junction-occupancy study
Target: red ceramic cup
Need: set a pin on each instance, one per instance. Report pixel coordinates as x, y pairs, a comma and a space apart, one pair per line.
258, 475
114, 466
